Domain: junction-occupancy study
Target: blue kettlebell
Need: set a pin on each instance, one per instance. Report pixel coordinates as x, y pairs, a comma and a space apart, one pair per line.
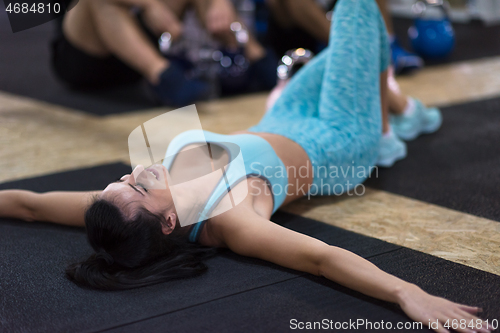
432, 38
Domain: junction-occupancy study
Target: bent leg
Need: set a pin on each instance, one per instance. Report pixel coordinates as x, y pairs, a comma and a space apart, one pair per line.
332, 107
358, 52
341, 85
101, 29
300, 97
350, 99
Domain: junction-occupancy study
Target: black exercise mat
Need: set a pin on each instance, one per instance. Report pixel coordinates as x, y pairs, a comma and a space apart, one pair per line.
87, 179
309, 298
456, 167
37, 297
25, 70
472, 40
272, 308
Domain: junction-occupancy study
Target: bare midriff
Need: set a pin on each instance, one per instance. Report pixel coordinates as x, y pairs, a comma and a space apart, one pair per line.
296, 162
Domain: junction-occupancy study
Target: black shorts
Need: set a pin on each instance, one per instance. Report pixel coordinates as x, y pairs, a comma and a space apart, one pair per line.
81, 70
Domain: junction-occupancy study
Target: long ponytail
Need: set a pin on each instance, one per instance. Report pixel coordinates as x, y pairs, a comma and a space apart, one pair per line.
134, 253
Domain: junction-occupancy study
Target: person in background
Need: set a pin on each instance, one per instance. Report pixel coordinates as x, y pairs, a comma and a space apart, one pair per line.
104, 43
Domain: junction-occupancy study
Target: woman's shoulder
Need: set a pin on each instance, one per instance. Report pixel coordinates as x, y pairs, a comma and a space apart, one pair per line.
257, 202
210, 237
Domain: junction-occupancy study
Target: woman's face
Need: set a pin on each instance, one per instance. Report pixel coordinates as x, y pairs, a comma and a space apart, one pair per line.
146, 188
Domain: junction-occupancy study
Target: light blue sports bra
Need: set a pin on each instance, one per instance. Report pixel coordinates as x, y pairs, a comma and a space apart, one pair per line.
259, 158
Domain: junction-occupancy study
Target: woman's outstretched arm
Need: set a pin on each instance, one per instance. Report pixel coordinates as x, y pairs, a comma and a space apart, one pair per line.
57, 207
249, 234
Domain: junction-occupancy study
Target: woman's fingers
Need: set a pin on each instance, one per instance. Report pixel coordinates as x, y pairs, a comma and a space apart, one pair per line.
477, 324
453, 318
464, 322
465, 315
469, 309
483, 329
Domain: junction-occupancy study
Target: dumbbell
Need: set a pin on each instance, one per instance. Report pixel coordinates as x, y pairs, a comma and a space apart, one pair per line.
230, 66
289, 64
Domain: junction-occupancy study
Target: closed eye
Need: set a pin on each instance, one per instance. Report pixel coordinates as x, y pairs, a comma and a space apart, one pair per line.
119, 180
136, 189
142, 186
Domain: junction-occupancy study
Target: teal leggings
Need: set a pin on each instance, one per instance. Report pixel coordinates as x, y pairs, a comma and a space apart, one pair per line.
331, 107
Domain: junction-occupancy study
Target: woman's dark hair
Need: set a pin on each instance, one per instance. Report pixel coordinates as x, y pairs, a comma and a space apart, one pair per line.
133, 253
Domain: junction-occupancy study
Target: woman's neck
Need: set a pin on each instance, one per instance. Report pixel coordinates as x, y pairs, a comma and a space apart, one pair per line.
190, 199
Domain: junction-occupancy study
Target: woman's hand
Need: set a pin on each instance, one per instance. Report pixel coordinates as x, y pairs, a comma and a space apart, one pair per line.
159, 19
219, 16
436, 312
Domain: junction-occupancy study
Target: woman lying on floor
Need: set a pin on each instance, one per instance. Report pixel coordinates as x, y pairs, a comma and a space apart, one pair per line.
329, 115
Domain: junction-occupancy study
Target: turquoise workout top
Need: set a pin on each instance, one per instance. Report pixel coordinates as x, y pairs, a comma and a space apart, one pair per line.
260, 160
